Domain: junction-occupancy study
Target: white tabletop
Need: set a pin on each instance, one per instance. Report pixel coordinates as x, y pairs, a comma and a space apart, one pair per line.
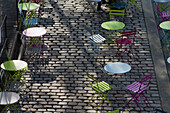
7, 98
168, 60
34, 32
162, 1
29, 6
14, 65
117, 67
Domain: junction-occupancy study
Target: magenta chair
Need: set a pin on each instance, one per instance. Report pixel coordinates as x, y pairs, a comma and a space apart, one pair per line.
161, 15
136, 90
127, 42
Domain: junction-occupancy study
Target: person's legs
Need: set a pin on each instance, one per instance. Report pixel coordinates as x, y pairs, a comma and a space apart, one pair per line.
99, 6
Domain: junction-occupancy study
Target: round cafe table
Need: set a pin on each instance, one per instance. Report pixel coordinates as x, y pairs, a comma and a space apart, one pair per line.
29, 6
16, 66
117, 67
168, 60
7, 98
112, 25
166, 27
162, 1
35, 38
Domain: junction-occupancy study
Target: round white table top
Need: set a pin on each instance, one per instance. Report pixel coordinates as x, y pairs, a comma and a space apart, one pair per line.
117, 67
28, 6
168, 60
34, 32
7, 98
14, 65
162, 1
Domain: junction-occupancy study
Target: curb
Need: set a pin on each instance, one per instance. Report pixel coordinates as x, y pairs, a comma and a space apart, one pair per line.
157, 55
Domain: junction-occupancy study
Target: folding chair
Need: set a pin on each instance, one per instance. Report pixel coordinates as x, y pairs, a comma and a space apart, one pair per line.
136, 90
27, 21
101, 88
117, 12
125, 43
161, 15
95, 40
90, 3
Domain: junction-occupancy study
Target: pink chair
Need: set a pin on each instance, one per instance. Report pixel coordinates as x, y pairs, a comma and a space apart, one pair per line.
126, 42
161, 15
136, 89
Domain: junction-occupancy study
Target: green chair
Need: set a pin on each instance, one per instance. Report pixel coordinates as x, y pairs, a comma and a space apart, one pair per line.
115, 111
101, 88
117, 12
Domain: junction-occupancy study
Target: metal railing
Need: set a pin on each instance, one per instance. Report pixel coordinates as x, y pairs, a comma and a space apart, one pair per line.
3, 43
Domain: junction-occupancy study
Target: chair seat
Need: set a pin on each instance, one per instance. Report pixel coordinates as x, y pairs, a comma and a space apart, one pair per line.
124, 41
135, 87
165, 13
103, 86
97, 38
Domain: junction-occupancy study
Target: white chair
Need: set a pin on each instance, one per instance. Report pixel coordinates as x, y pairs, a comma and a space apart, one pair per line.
95, 39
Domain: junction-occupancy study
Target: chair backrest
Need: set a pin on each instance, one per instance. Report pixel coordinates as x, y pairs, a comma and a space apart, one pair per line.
147, 78
116, 12
129, 33
89, 31
21, 14
162, 14
91, 77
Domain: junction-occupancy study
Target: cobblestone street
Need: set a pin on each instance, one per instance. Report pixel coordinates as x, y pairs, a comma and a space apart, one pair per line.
57, 78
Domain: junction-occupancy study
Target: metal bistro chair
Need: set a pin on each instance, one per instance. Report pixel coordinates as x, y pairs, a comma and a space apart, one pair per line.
136, 90
117, 12
96, 40
127, 42
101, 88
27, 22
161, 15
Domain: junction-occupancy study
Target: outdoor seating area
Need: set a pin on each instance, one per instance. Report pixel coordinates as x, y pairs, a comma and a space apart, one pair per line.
85, 56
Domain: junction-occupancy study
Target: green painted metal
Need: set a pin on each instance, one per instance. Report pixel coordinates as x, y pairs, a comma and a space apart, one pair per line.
113, 25
28, 6
165, 25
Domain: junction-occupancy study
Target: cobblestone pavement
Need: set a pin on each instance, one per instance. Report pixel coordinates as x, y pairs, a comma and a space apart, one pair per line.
57, 80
